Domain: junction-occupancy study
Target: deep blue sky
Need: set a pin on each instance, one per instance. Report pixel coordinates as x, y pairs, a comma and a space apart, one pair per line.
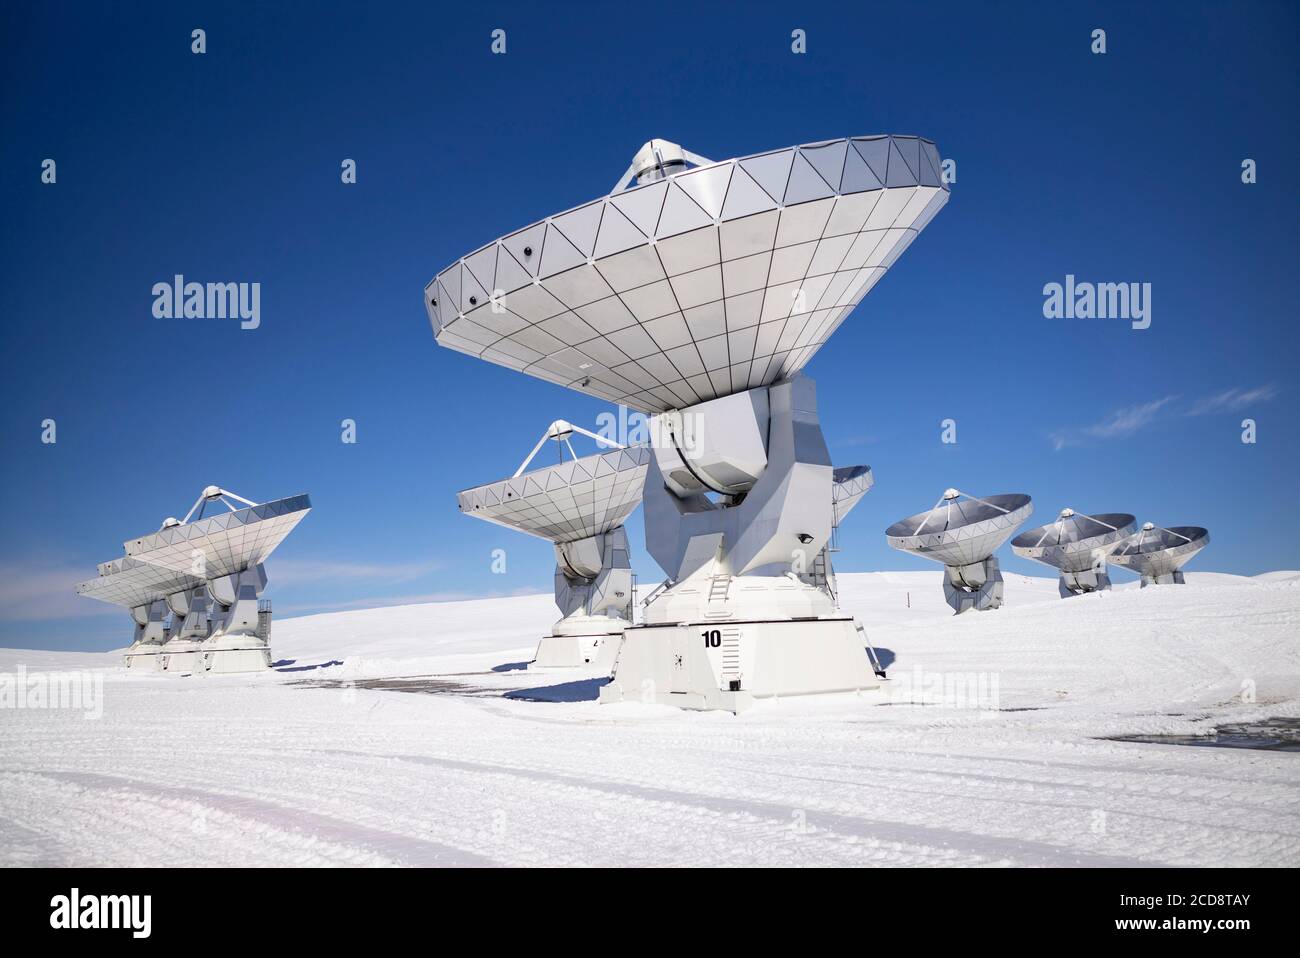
225, 167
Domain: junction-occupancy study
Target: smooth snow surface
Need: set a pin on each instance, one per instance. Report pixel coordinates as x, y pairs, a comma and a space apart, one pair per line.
986, 748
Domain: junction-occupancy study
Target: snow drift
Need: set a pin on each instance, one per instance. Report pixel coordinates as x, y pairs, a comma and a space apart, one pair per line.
413, 735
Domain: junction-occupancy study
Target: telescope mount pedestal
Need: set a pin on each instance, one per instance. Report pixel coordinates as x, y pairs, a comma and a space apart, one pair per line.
144, 654
975, 586
593, 588
1168, 578
183, 649
737, 622
239, 640
1081, 583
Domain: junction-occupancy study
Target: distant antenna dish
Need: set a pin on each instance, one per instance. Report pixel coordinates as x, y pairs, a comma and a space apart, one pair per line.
580, 505
1158, 555
963, 532
1078, 545
223, 544
576, 499
144, 590
207, 573
848, 485
132, 584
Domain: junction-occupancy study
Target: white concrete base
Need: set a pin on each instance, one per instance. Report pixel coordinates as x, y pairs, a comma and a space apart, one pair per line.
726, 665
218, 654
580, 641
576, 651
144, 660
220, 661
181, 661
235, 652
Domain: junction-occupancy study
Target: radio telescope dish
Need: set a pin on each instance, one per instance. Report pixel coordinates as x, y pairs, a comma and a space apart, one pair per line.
697, 291
144, 590
219, 623
960, 531
848, 485
963, 532
693, 283
130, 583
223, 544
1158, 555
1078, 545
580, 506
566, 502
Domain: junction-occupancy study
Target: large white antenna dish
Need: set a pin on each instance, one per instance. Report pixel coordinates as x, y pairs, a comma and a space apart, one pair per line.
963, 531
697, 294
693, 282
223, 544
1158, 554
1078, 545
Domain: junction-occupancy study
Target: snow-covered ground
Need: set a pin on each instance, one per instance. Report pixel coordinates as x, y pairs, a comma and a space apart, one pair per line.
988, 747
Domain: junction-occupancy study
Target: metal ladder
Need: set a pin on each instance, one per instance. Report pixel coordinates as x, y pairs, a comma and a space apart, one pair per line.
730, 656
820, 577
263, 619
719, 589
655, 592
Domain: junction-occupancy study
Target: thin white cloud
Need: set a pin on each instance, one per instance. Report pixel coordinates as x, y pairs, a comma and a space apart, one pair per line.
37, 594
1122, 422
379, 602
44, 593
1233, 400
328, 570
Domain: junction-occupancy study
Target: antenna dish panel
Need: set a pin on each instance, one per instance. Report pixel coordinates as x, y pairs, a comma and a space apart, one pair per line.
130, 583
1074, 540
227, 543
848, 485
959, 532
706, 282
1154, 552
566, 502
